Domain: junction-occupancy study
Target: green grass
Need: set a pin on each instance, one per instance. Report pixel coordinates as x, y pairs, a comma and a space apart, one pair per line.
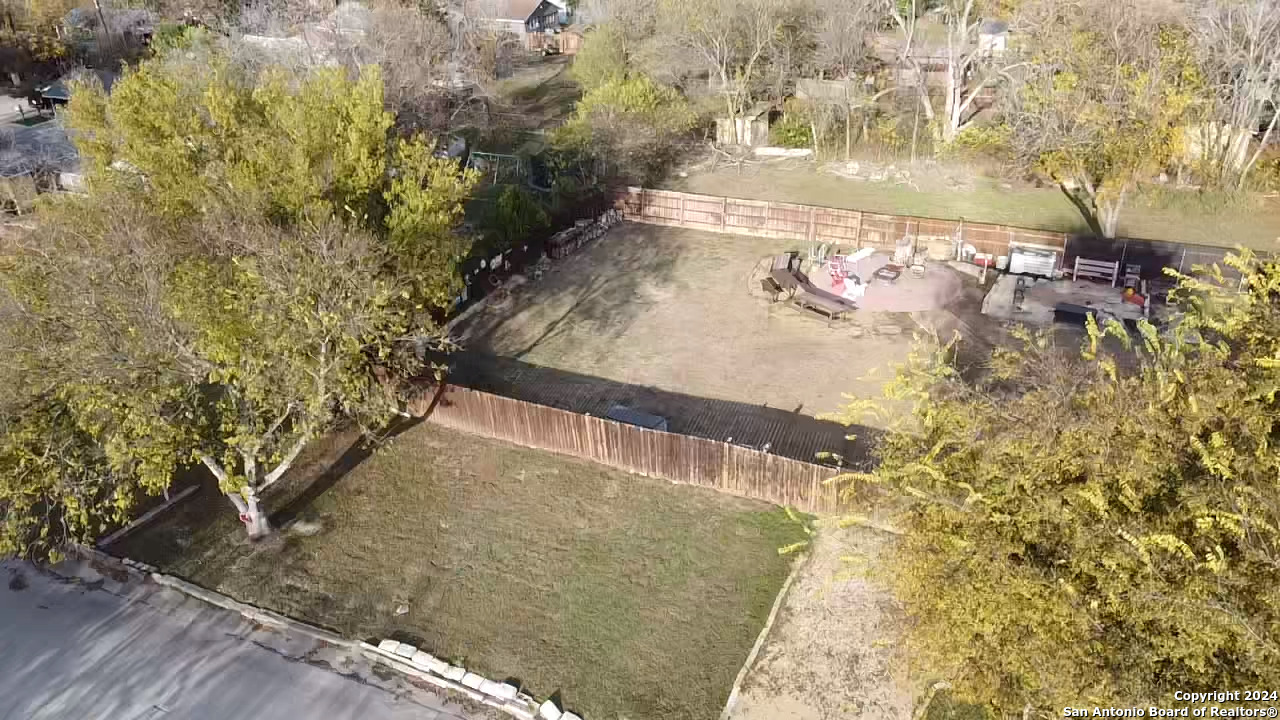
539, 96
944, 707
1183, 216
629, 597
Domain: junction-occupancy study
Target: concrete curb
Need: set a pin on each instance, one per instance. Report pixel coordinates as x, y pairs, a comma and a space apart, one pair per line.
143, 572
405, 659
136, 570
764, 634
252, 612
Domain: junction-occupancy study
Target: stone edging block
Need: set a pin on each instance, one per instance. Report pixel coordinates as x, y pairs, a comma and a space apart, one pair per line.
399, 656
423, 665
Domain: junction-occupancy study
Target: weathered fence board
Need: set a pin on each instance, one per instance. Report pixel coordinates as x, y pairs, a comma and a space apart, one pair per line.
865, 229
680, 458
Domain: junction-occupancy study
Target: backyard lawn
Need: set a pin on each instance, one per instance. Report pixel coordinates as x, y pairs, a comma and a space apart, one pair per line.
629, 597
672, 309
949, 195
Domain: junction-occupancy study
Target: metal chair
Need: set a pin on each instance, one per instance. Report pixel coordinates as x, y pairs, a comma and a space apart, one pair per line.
771, 288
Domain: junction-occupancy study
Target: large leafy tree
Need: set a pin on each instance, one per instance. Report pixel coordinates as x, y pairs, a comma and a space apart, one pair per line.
1105, 97
730, 38
55, 483
1099, 529
257, 256
632, 122
969, 69
1239, 49
29, 33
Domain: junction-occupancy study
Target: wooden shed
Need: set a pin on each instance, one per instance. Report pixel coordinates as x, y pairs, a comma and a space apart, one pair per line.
753, 127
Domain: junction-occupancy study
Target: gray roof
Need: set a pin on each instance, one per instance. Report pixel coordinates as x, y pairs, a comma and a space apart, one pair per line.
515, 9
43, 146
60, 89
994, 27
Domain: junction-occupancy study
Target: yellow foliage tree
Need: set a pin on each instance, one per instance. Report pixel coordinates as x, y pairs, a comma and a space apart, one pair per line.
1106, 95
1096, 530
255, 258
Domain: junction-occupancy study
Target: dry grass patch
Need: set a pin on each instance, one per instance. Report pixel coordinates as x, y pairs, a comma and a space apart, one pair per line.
630, 597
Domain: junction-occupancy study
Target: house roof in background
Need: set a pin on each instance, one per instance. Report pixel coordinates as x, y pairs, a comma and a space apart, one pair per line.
516, 9
994, 27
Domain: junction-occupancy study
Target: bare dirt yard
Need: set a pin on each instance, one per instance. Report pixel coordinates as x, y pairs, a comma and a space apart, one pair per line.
623, 596
830, 654
676, 310
953, 193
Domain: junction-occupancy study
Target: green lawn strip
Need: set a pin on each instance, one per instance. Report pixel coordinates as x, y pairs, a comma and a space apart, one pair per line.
1185, 217
630, 597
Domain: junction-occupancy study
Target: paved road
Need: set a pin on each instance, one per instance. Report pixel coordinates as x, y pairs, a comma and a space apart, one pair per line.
96, 647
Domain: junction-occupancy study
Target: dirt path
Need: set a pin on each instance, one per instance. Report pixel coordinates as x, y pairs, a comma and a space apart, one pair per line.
539, 95
830, 653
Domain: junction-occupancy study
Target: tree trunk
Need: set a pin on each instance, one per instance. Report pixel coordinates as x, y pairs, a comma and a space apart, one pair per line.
915, 132
251, 514
848, 134
1262, 145
257, 525
731, 107
947, 132
245, 500
1110, 220
1214, 151
733, 122
1088, 211
1109, 215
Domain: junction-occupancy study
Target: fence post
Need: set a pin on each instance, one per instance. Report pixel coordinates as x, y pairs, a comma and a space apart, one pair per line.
813, 225
725, 451
857, 232
768, 215
724, 212
960, 242
682, 220
1182, 259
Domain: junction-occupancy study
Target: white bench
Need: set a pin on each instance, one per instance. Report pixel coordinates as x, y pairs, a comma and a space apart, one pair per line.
1096, 270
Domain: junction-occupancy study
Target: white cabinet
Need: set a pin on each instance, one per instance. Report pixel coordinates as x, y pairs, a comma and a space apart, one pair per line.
1032, 261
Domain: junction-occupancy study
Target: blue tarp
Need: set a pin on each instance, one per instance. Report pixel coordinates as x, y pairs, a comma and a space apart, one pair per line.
637, 418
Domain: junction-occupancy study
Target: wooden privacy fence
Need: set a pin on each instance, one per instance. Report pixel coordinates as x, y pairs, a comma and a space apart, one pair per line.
680, 458
813, 224
810, 223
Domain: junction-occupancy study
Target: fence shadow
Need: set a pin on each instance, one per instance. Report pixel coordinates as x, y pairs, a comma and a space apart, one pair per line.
776, 431
601, 286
